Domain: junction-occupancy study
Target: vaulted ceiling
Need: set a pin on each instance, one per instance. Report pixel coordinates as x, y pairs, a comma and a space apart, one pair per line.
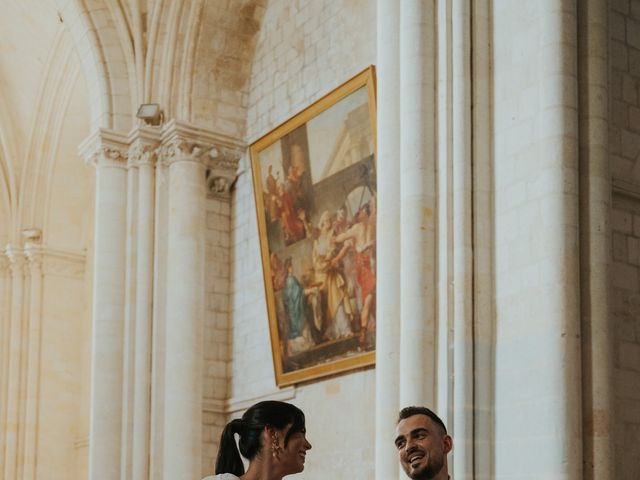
70, 66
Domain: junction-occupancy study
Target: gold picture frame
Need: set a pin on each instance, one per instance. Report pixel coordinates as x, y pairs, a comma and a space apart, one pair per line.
314, 181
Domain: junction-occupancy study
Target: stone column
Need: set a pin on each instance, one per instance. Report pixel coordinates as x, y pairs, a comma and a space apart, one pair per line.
142, 154
5, 322
16, 354
108, 152
182, 434
461, 238
595, 241
483, 239
388, 242
418, 142
33, 252
537, 247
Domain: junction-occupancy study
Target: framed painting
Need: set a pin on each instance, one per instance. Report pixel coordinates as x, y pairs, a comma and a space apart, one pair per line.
314, 180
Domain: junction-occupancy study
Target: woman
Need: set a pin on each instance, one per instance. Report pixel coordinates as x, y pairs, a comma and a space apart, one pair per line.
271, 436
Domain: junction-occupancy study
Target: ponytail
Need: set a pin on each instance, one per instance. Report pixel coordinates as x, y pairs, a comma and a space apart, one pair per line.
229, 460
271, 413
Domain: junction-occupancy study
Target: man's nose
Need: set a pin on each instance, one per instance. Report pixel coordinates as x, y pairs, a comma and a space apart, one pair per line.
409, 445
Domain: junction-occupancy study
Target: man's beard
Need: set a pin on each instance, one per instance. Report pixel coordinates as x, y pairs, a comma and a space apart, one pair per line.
429, 471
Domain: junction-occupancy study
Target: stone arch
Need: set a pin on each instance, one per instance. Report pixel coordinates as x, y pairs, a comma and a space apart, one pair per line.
100, 33
8, 191
53, 94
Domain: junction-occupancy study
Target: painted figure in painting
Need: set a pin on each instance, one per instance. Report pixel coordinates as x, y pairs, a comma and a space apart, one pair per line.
292, 218
294, 301
271, 195
362, 233
278, 272
331, 281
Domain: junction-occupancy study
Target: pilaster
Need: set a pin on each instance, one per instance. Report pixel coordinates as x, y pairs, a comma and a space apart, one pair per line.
16, 363
5, 303
34, 255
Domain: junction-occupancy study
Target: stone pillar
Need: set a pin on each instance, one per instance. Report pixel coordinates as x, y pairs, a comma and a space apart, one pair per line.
142, 154
33, 252
461, 238
185, 303
158, 341
483, 238
15, 363
5, 322
595, 241
388, 242
418, 142
537, 247
108, 152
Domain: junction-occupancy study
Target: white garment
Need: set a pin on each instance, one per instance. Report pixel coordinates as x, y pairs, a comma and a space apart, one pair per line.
222, 476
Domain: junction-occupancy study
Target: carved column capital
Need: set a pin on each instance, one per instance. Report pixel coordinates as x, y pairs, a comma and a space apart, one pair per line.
222, 170
34, 254
105, 148
220, 154
16, 259
4, 264
143, 146
180, 149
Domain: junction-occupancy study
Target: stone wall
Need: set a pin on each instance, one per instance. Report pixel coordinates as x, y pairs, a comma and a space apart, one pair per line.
624, 146
216, 328
305, 49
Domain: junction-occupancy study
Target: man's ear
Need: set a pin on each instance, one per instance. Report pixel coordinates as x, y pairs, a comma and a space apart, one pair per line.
447, 443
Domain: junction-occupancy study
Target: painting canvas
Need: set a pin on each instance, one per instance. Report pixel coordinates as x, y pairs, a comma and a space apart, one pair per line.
315, 187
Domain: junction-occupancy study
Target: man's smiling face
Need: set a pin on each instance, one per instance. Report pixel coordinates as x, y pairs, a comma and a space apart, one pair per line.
422, 447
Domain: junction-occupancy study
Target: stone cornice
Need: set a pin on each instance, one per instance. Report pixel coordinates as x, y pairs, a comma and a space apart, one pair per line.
199, 135
237, 404
63, 262
49, 260
176, 141
105, 148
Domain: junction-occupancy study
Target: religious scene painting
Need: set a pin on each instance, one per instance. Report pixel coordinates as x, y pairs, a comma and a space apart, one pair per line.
315, 186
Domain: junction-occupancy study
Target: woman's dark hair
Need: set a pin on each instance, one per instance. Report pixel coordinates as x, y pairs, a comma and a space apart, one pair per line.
269, 413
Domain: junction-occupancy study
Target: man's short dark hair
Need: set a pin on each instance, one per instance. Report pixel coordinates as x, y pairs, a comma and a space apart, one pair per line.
407, 412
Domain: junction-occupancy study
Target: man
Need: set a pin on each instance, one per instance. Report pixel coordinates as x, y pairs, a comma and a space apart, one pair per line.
423, 444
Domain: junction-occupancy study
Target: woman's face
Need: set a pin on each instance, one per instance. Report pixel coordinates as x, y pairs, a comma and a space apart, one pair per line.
293, 455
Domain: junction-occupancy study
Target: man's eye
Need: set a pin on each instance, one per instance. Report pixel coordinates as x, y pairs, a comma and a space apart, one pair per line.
399, 445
